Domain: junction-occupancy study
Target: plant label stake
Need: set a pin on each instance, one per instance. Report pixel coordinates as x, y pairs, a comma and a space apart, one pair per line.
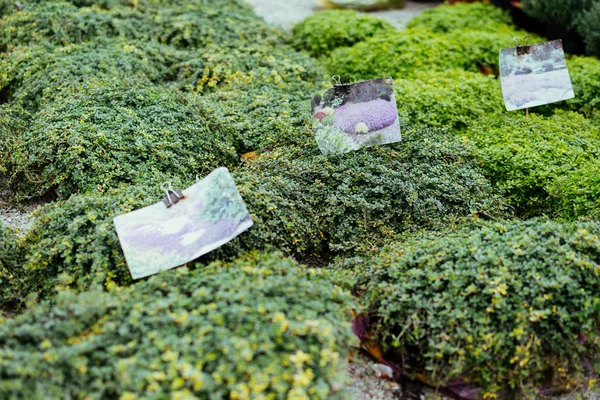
534, 75
183, 226
349, 116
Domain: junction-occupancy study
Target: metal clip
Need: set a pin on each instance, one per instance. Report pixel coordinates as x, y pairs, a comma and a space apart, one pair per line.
167, 187
525, 48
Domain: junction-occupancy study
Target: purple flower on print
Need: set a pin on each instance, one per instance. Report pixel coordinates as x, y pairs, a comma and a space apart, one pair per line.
376, 114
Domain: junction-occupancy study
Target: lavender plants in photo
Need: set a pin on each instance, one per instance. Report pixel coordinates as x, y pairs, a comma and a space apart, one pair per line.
157, 238
534, 75
349, 116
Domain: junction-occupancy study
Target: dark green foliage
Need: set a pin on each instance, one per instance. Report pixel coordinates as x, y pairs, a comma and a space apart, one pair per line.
13, 122
401, 54
561, 12
301, 203
37, 75
13, 283
324, 31
585, 76
479, 16
512, 304
452, 98
589, 28
187, 25
535, 159
579, 16
261, 326
77, 238
112, 132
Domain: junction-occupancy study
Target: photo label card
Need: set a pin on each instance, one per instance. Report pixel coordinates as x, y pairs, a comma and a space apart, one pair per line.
157, 238
347, 117
534, 75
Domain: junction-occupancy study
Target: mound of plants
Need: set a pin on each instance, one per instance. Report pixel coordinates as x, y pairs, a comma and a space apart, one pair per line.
110, 132
539, 161
187, 25
585, 76
452, 98
403, 53
258, 327
477, 15
301, 202
509, 308
324, 31
12, 279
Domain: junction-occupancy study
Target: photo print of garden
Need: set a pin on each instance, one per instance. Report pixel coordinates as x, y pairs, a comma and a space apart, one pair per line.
347, 117
157, 238
534, 75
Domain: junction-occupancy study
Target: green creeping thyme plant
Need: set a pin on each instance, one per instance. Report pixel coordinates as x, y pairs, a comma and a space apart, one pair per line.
261, 327
505, 307
301, 203
324, 31
543, 164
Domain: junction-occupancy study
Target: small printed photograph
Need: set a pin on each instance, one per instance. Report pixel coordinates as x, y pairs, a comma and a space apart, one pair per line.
347, 117
534, 75
157, 237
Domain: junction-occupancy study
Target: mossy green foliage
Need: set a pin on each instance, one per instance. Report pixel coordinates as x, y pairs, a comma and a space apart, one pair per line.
324, 31
183, 25
542, 162
112, 132
588, 27
156, 52
76, 239
38, 75
585, 76
260, 326
301, 202
507, 305
446, 18
13, 287
402, 53
452, 98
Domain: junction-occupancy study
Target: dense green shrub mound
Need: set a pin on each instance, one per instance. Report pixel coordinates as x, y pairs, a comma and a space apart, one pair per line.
112, 132
37, 75
12, 277
301, 202
585, 76
324, 31
260, 327
187, 25
479, 16
13, 122
452, 98
512, 304
77, 238
587, 26
540, 162
401, 54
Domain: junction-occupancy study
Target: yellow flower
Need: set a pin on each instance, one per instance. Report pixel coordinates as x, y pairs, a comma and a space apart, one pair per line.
361, 128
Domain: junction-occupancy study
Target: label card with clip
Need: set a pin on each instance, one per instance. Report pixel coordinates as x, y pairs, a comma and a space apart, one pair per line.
534, 75
349, 116
198, 220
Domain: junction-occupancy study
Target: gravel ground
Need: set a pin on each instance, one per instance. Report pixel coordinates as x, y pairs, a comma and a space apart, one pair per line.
286, 13
16, 217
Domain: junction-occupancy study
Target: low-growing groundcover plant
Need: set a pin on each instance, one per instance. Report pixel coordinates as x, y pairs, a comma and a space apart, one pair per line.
301, 202
511, 306
260, 327
545, 165
324, 31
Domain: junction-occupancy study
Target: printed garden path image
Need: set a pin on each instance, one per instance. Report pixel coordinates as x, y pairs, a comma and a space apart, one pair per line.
286, 13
